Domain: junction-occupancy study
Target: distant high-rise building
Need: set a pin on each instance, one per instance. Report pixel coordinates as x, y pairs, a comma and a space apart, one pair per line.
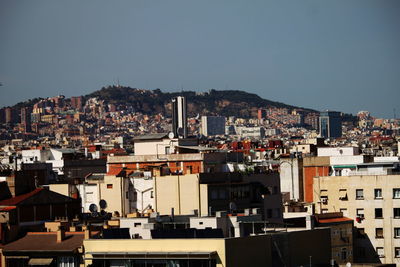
312, 119
330, 124
76, 102
212, 125
8, 115
179, 117
262, 113
26, 119
2, 115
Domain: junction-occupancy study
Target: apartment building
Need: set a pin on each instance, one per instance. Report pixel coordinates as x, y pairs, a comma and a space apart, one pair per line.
211, 192
291, 176
272, 249
373, 201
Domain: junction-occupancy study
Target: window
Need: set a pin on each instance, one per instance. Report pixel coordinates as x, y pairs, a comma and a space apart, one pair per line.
380, 252
397, 232
151, 194
396, 213
324, 196
335, 232
397, 252
66, 261
167, 150
360, 233
324, 210
342, 194
378, 232
137, 224
360, 213
324, 193
378, 213
396, 192
378, 193
359, 194
109, 186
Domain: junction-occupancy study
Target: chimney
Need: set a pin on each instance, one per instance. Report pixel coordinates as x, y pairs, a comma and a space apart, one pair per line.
88, 233
60, 234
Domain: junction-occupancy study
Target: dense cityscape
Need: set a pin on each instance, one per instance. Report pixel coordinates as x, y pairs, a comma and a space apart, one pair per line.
227, 133
102, 184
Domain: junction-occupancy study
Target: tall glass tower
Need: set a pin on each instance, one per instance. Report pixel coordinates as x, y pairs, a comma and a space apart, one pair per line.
330, 124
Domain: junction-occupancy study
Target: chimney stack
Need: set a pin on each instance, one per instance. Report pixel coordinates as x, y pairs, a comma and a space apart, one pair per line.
60, 234
88, 233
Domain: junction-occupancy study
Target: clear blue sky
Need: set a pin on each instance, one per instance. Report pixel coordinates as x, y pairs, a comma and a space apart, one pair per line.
339, 54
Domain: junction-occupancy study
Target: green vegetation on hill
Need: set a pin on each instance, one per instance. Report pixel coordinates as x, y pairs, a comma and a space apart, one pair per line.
214, 102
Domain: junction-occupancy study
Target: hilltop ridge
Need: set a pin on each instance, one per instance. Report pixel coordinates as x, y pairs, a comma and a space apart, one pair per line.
214, 102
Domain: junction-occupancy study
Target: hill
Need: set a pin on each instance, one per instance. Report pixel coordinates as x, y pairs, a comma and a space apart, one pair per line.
214, 102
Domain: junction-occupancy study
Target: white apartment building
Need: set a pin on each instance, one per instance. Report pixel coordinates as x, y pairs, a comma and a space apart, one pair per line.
337, 151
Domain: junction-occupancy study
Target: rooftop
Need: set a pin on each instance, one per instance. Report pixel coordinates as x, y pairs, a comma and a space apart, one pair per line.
45, 241
16, 200
155, 136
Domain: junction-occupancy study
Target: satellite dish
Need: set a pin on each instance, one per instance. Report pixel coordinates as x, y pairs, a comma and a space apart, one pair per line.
103, 204
171, 135
93, 207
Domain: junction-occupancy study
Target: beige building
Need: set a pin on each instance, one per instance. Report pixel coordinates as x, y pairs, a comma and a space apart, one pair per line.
154, 144
275, 249
116, 192
373, 201
211, 192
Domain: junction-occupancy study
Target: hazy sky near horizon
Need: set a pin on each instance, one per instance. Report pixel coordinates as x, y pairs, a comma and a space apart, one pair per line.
339, 54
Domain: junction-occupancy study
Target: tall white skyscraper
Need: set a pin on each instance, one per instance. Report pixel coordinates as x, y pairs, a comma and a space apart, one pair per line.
179, 117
